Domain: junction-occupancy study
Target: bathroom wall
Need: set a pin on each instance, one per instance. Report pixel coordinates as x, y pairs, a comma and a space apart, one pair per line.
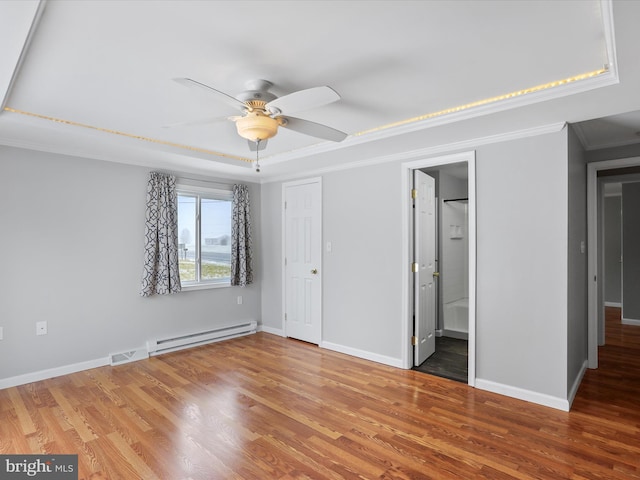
454, 254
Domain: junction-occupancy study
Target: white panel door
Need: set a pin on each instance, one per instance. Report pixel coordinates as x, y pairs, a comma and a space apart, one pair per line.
303, 260
425, 258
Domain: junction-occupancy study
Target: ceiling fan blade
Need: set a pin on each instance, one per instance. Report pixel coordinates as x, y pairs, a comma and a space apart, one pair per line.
228, 99
257, 146
314, 129
201, 121
303, 100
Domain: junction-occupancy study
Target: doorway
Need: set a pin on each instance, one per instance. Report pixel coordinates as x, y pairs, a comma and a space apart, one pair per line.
598, 175
302, 274
449, 357
455, 334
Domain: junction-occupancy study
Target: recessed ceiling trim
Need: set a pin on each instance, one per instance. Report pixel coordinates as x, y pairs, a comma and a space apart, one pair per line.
579, 83
559, 88
127, 135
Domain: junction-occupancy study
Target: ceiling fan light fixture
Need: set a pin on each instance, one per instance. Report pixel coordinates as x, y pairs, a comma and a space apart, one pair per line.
257, 126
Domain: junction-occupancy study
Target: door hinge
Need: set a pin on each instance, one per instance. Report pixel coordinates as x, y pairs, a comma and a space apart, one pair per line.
414, 340
414, 267
414, 193
285, 317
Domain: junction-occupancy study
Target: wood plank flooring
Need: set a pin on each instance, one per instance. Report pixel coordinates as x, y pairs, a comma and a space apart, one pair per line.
264, 407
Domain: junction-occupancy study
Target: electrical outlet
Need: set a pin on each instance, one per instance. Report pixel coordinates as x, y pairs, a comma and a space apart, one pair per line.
41, 328
239, 299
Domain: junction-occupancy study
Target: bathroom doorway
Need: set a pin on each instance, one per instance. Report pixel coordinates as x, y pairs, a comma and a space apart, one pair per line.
451, 356
410, 239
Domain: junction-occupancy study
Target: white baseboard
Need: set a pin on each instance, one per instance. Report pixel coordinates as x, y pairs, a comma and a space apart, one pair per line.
630, 321
354, 352
576, 383
456, 334
274, 331
52, 372
613, 304
522, 394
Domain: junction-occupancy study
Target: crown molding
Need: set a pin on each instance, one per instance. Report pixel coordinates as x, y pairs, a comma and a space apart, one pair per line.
421, 153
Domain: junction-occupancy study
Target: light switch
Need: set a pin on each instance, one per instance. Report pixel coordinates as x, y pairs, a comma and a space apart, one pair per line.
41, 328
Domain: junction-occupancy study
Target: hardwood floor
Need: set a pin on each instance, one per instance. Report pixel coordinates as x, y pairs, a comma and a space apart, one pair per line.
264, 407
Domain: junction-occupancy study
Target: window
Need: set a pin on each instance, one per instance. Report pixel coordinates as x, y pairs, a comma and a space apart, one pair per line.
204, 236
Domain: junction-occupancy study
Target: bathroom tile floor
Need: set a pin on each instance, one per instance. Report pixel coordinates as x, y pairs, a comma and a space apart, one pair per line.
449, 361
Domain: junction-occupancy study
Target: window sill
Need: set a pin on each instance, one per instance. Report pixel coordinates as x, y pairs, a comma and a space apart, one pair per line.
204, 286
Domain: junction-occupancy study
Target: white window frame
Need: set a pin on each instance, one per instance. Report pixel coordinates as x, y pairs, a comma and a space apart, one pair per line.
203, 192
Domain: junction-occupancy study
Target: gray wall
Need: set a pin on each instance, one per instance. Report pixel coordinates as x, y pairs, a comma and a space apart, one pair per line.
522, 230
272, 261
361, 284
522, 261
630, 251
613, 249
577, 255
71, 253
63, 214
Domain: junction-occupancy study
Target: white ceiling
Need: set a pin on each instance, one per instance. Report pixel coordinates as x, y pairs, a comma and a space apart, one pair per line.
96, 77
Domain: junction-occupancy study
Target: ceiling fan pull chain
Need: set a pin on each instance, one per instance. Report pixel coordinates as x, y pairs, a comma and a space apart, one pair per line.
257, 155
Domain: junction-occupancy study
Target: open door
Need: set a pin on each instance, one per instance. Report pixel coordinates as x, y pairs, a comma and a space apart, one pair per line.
424, 267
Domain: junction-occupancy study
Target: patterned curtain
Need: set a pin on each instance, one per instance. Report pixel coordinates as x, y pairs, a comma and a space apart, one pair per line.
161, 272
241, 271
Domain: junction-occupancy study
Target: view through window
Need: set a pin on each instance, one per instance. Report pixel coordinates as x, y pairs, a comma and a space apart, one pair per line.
204, 237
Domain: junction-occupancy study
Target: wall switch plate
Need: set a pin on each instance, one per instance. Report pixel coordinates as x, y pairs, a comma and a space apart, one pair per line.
41, 328
239, 299
1, 333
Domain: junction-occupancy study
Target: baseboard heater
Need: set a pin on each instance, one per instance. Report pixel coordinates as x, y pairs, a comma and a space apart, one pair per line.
165, 345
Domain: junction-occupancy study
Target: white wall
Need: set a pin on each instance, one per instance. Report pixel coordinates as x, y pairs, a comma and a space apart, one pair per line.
454, 262
71, 254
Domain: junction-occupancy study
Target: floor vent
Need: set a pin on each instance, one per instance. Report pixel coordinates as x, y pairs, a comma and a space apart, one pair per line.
164, 345
126, 357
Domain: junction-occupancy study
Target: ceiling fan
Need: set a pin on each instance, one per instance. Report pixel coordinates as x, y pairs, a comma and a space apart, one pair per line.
263, 112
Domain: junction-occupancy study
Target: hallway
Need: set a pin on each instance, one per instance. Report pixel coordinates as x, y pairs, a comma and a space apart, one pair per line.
611, 392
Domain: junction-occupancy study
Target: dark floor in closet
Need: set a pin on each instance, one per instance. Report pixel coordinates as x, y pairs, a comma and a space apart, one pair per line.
449, 361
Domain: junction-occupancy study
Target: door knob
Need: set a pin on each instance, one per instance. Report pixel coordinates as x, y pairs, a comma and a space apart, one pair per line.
314, 271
